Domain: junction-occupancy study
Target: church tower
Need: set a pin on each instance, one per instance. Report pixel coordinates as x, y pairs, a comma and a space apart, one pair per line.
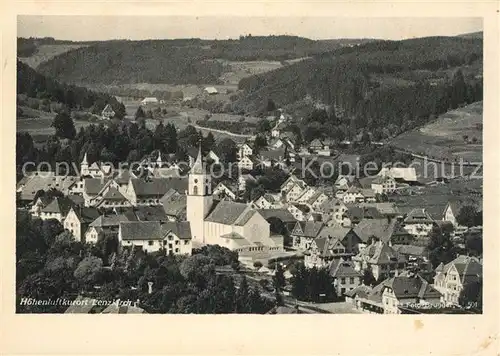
199, 198
84, 166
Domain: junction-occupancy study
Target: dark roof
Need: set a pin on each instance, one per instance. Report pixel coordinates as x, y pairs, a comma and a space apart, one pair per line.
86, 215
273, 154
181, 229
60, 205
418, 216
380, 228
175, 204
282, 214
150, 213
381, 253
409, 250
109, 220
141, 230
310, 228
113, 194
340, 268
411, 287
469, 268
157, 187
228, 213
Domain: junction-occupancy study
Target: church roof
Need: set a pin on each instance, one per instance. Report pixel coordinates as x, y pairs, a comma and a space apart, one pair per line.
228, 213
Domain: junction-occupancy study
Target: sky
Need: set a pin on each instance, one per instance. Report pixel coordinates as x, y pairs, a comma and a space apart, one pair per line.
95, 28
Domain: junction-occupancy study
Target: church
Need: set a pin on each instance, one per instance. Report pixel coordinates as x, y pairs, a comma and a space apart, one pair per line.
234, 225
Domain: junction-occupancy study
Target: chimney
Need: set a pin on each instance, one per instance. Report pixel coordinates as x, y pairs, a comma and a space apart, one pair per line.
150, 287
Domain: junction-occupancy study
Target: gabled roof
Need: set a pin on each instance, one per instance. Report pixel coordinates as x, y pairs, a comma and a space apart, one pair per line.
229, 213
274, 155
316, 142
150, 213
340, 268
157, 187
109, 220
310, 228
86, 215
418, 216
381, 253
411, 287
141, 230
113, 194
59, 205
107, 109
382, 229
93, 186
469, 268
181, 229
174, 205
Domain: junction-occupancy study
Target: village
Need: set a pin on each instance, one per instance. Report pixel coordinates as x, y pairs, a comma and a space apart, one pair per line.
385, 248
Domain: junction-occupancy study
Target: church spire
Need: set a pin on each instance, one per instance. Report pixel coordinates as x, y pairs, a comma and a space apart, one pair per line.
85, 159
198, 164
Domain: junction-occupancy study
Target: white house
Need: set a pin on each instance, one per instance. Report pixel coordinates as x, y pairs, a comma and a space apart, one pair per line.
245, 163
451, 278
418, 223
383, 185
151, 236
107, 113
149, 100
244, 150
244, 179
78, 220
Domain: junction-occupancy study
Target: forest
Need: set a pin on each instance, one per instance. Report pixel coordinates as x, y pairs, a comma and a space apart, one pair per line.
445, 73
182, 61
35, 85
51, 265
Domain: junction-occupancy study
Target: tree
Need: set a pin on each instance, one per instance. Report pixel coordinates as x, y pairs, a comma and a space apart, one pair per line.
440, 246
263, 126
279, 277
471, 296
257, 264
368, 278
139, 113
259, 143
243, 297
64, 126
208, 142
467, 215
474, 244
278, 298
87, 270
228, 149
271, 106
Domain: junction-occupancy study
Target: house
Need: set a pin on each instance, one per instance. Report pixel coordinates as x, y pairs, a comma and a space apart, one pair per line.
316, 145
149, 101
345, 276
78, 220
111, 199
267, 201
273, 158
385, 209
246, 163
277, 129
301, 212
359, 195
45, 181
387, 230
304, 233
400, 174
174, 205
107, 113
408, 289
211, 90
381, 259
57, 209
345, 180
152, 236
225, 191
451, 278
347, 236
38, 205
244, 150
150, 191
383, 185
243, 179
333, 211
292, 188
322, 251
418, 223
106, 225
417, 256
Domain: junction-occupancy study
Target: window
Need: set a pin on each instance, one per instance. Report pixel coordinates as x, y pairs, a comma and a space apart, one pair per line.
186, 242
342, 290
176, 250
169, 245
351, 280
342, 280
150, 243
170, 238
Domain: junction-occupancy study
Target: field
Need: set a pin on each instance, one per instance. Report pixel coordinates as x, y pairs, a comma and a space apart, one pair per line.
235, 71
444, 138
46, 52
40, 128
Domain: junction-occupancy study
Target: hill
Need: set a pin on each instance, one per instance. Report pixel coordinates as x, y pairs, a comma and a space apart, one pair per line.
383, 87
472, 35
179, 61
453, 135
